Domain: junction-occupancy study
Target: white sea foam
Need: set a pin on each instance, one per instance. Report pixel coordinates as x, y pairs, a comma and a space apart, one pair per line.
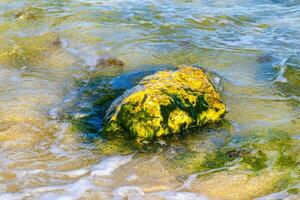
109, 164
171, 195
76, 173
51, 196
104, 168
188, 182
75, 190
70, 191
280, 75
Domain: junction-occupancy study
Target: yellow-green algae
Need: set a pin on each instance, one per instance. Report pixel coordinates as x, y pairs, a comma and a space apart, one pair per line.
167, 102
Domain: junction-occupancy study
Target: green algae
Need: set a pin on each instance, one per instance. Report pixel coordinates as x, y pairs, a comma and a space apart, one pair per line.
216, 160
84, 125
254, 152
293, 191
283, 183
286, 161
256, 160
272, 140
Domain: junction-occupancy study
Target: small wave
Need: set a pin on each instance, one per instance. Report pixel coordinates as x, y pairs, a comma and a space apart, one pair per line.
75, 191
187, 183
71, 191
284, 195
265, 97
280, 75
136, 193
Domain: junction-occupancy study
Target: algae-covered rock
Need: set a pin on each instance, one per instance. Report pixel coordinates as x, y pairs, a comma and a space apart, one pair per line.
106, 65
165, 103
107, 61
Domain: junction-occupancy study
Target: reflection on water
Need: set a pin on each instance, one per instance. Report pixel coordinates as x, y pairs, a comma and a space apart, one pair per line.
62, 62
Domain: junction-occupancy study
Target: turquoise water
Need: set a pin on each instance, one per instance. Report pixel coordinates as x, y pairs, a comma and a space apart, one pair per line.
53, 89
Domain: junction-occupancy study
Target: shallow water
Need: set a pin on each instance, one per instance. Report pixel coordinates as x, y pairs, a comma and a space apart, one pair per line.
52, 93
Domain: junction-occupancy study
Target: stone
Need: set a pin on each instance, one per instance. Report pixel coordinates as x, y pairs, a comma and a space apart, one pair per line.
165, 103
110, 61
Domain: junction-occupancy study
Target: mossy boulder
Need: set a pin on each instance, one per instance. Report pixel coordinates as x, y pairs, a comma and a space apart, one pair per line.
165, 103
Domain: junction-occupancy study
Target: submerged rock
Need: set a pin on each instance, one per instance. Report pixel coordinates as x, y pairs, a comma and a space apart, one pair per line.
105, 65
107, 61
167, 102
265, 58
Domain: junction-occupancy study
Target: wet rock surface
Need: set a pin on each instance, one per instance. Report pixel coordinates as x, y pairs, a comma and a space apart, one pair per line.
167, 102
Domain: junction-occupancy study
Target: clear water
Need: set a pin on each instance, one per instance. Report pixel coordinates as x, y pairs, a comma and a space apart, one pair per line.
49, 81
